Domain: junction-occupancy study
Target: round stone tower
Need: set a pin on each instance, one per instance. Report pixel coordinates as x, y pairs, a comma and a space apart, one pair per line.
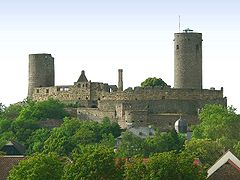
188, 60
41, 71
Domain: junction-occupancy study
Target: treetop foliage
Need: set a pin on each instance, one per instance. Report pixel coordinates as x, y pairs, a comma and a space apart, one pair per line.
154, 82
20, 120
95, 162
43, 110
208, 151
37, 167
219, 123
83, 149
132, 145
74, 132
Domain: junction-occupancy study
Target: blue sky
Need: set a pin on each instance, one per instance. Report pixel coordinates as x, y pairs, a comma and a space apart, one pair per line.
101, 36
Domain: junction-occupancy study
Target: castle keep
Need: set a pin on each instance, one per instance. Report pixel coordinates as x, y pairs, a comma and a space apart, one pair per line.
188, 60
133, 106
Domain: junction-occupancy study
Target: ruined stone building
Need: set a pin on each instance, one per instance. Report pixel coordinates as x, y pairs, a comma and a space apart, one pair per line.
133, 106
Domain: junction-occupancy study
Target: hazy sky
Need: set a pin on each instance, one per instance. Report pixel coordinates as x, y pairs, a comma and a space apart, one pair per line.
101, 36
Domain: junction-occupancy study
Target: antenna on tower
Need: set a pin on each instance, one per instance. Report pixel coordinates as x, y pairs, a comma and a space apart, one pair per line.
179, 23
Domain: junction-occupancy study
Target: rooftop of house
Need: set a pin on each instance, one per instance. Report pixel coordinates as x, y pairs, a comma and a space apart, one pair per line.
13, 148
227, 158
6, 164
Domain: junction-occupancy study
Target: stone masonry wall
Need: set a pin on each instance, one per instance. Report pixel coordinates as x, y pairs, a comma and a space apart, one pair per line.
100, 91
62, 93
156, 93
141, 106
94, 114
79, 91
163, 105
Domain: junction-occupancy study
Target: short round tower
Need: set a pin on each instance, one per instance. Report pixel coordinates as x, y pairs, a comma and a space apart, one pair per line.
188, 60
41, 71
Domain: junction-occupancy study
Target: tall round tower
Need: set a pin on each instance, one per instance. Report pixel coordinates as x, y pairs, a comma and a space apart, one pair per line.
188, 60
41, 71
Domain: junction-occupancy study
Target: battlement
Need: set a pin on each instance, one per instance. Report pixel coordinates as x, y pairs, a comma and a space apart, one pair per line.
62, 93
80, 91
156, 93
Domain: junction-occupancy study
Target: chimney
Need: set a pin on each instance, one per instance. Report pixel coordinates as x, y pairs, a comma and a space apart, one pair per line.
120, 79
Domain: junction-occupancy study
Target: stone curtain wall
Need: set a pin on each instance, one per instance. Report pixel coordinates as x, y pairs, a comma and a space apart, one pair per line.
95, 114
62, 93
156, 93
79, 91
141, 106
101, 92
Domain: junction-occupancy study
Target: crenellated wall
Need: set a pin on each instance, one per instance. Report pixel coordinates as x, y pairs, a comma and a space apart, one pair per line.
101, 91
62, 93
140, 106
83, 91
156, 93
145, 112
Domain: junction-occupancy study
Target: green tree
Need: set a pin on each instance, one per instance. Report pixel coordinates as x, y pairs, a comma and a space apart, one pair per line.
85, 135
163, 166
23, 129
61, 138
110, 127
12, 112
35, 142
25, 118
37, 167
43, 110
165, 141
2, 108
154, 82
188, 170
5, 125
236, 149
108, 140
169, 165
72, 132
5, 137
219, 123
131, 145
135, 169
94, 162
208, 151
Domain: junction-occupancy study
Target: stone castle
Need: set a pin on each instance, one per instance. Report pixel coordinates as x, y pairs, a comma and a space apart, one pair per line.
137, 106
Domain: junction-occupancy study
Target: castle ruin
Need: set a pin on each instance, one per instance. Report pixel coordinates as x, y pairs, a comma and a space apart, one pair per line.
133, 106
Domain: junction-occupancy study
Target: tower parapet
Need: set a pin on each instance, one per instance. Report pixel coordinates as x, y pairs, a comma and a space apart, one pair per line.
41, 71
188, 60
